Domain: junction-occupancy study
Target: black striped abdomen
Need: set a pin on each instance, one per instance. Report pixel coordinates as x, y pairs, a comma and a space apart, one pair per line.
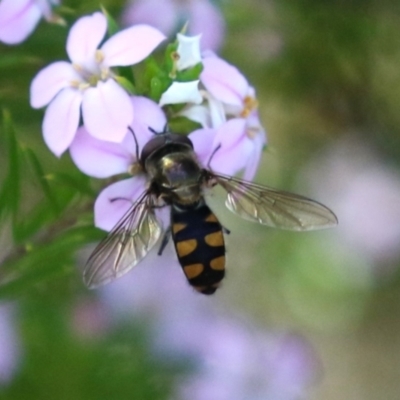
200, 245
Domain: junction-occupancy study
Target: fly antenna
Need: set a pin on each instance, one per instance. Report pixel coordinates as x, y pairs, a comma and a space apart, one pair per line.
163, 132
212, 156
136, 142
152, 130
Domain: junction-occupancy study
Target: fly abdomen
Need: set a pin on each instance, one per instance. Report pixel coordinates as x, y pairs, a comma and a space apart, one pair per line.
199, 244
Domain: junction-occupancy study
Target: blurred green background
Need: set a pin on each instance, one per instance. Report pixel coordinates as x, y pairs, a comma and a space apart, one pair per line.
327, 75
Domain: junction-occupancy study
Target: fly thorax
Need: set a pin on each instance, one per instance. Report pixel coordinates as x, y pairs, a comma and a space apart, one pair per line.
178, 175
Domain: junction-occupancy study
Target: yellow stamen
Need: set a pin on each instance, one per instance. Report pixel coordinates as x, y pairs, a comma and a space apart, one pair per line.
99, 56
250, 104
77, 67
83, 85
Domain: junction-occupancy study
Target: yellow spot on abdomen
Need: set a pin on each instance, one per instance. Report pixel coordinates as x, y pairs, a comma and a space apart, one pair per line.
215, 239
186, 247
193, 270
178, 227
218, 263
211, 218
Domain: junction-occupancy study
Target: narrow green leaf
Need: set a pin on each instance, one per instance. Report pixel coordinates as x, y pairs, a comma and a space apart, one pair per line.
43, 182
45, 261
190, 74
126, 84
182, 125
30, 224
112, 25
10, 192
77, 183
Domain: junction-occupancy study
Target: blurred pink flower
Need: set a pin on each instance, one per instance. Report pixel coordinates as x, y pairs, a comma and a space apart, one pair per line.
18, 18
232, 359
10, 346
90, 320
89, 82
364, 191
202, 17
250, 364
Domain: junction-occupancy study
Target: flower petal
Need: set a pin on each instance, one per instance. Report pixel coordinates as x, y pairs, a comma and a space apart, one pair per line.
45, 7
49, 81
115, 200
148, 114
18, 18
84, 37
61, 120
131, 45
205, 18
202, 140
257, 133
107, 111
231, 160
224, 81
198, 113
255, 157
188, 50
182, 92
230, 133
99, 158
217, 111
142, 12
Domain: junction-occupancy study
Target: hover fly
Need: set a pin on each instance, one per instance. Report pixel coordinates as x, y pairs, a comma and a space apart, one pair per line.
177, 179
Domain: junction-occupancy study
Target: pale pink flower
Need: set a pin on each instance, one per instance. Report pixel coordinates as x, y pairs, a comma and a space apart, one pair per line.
88, 82
108, 212
230, 105
202, 17
103, 159
18, 18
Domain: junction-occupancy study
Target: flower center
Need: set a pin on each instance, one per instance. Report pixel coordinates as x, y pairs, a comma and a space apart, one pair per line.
92, 73
250, 104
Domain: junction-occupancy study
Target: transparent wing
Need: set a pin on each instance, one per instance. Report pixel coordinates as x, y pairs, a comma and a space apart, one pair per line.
128, 243
272, 207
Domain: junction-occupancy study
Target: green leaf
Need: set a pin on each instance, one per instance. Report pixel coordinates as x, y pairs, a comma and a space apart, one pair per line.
190, 74
126, 84
45, 261
112, 24
40, 216
157, 87
10, 195
42, 180
170, 59
183, 125
79, 183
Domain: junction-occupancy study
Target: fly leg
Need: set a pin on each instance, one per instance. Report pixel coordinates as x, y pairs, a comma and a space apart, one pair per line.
164, 241
226, 230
